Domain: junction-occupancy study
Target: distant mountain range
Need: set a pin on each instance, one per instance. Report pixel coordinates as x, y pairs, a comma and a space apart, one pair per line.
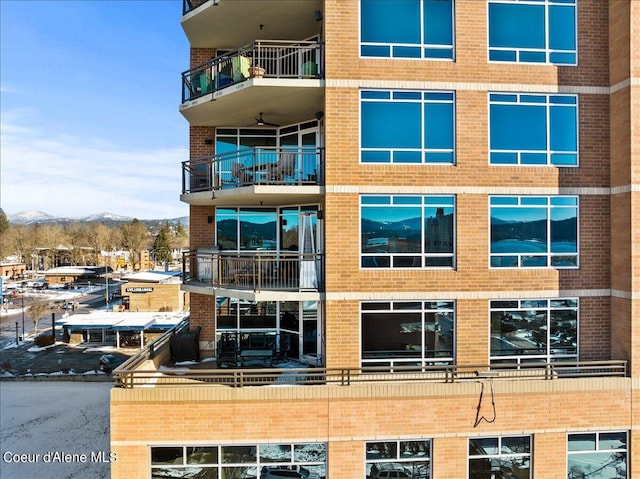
32, 216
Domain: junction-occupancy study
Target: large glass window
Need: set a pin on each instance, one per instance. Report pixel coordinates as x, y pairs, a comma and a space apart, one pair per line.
403, 126
533, 31
239, 461
247, 229
407, 231
407, 29
407, 333
528, 129
293, 326
500, 457
597, 455
398, 459
534, 231
534, 330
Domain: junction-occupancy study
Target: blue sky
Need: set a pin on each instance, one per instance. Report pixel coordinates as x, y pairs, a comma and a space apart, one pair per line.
89, 95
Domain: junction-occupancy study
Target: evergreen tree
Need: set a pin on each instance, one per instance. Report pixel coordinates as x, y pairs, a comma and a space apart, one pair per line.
162, 244
4, 222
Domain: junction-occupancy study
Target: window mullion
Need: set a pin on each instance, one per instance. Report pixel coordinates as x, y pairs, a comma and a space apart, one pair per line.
547, 53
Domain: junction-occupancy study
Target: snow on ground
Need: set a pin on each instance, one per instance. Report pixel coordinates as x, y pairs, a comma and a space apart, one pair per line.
46, 419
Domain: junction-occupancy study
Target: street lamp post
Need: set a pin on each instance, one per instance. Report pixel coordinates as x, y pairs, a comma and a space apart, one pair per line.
106, 283
22, 296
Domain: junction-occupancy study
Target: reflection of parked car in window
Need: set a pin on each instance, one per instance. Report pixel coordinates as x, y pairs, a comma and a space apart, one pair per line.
389, 470
278, 472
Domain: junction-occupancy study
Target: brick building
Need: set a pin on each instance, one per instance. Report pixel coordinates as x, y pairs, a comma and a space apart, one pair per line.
422, 216
153, 291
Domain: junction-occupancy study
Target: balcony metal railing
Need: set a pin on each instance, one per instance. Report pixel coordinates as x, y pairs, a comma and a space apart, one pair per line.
262, 270
127, 376
253, 166
263, 58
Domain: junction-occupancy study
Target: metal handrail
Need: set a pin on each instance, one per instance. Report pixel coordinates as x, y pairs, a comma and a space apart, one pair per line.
262, 270
262, 58
254, 166
128, 377
149, 351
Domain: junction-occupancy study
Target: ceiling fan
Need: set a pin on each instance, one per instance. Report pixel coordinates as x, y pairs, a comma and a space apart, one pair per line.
260, 121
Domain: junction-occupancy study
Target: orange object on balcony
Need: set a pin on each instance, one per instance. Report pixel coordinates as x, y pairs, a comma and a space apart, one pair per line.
256, 72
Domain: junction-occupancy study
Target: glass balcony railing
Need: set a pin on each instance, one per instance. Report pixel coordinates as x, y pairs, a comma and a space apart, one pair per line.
262, 270
261, 59
253, 166
188, 5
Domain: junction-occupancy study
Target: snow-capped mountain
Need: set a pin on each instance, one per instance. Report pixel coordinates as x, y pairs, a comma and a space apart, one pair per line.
106, 216
30, 216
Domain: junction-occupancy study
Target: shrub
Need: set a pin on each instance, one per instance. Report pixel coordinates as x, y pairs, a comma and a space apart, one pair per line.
44, 340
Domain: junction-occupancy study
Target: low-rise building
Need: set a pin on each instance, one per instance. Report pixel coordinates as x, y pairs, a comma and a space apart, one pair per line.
12, 270
154, 291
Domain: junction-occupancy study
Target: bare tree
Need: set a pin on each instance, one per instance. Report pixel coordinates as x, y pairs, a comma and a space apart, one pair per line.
135, 239
50, 237
37, 311
75, 236
101, 238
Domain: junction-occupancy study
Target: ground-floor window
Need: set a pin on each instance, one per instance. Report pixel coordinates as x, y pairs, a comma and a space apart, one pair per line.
597, 454
397, 459
500, 457
407, 333
257, 461
534, 330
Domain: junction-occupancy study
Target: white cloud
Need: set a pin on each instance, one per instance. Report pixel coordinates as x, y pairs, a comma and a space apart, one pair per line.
65, 175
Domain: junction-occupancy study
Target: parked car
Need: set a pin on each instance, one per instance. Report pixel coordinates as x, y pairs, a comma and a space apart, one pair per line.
108, 362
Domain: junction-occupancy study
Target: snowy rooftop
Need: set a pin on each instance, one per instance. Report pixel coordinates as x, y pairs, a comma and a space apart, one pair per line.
154, 277
79, 270
122, 321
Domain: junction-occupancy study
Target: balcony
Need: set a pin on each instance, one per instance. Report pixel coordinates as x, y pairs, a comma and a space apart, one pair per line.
279, 77
257, 272
154, 368
299, 170
226, 23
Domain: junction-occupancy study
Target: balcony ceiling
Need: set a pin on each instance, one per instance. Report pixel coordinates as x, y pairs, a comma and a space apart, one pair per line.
233, 23
256, 195
282, 102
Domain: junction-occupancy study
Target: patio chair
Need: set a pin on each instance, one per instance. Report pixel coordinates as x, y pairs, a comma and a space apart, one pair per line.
286, 167
240, 176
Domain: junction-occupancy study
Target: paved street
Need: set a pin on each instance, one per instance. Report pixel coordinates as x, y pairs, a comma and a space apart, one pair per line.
14, 320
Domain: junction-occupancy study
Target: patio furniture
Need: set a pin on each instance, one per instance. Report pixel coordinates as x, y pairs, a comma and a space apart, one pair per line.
285, 167
258, 346
227, 349
185, 346
240, 175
